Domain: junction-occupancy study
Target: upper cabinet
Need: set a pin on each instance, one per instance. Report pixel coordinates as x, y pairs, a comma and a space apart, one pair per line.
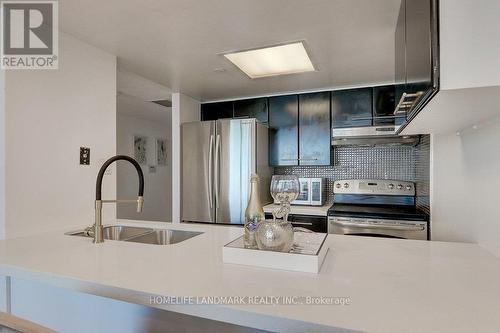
384, 102
372, 109
217, 110
416, 57
299, 129
469, 69
314, 129
352, 108
283, 130
247, 108
252, 108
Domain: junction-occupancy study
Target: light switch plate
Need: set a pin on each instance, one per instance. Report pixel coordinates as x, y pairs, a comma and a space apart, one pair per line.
84, 156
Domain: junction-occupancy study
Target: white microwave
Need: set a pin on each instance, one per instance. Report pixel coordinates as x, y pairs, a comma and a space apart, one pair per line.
311, 192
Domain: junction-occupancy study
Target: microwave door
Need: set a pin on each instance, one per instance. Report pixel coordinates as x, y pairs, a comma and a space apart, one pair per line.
304, 193
316, 195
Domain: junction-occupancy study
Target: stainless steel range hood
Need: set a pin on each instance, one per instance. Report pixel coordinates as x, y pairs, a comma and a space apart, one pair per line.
371, 136
368, 131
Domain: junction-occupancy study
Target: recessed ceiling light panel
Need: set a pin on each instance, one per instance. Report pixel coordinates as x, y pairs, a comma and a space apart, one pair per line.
274, 60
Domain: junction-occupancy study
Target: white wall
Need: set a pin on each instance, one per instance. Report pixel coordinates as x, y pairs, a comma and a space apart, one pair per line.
465, 182
4, 291
184, 109
49, 115
465, 169
2, 154
158, 185
470, 51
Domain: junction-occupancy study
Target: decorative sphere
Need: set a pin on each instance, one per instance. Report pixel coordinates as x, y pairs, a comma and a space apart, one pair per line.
274, 235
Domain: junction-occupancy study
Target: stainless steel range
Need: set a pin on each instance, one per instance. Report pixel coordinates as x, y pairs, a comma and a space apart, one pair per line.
379, 208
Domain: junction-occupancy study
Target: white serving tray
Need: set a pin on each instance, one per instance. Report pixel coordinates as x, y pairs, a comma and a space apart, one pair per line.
307, 254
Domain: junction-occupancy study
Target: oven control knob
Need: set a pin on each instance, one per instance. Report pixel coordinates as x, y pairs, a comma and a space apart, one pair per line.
338, 185
400, 187
390, 186
346, 185
408, 187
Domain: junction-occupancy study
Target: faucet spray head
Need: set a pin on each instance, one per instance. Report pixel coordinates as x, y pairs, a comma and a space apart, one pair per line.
140, 204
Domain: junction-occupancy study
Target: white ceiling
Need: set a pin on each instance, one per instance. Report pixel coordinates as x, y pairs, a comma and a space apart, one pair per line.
134, 85
134, 107
177, 43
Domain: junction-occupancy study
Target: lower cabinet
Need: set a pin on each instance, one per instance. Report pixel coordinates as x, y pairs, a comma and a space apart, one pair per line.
311, 222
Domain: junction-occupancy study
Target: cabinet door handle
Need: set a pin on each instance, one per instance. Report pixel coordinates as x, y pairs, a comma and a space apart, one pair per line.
377, 117
361, 118
298, 159
302, 223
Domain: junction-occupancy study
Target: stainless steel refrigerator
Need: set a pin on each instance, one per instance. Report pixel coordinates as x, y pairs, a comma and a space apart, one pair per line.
218, 158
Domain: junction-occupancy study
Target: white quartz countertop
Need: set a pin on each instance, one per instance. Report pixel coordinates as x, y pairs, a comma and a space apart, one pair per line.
302, 210
393, 285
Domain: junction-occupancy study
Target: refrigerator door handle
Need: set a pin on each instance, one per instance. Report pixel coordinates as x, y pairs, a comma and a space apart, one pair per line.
210, 175
217, 165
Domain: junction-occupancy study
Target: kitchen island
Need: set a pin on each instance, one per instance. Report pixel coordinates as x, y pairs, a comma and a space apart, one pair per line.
382, 285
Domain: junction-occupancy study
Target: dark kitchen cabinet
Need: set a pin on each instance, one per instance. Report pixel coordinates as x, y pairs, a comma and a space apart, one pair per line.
313, 223
283, 130
252, 108
384, 102
417, 61
217, 110
352, 108
314, 129
400, 53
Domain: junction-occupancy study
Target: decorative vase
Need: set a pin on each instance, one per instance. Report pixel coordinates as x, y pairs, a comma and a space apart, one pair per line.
274, 235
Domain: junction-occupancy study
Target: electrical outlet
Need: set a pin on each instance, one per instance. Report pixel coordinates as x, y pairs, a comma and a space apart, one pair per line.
84, 156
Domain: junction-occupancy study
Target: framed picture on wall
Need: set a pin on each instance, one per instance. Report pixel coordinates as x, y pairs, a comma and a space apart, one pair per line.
161, 151
140, 149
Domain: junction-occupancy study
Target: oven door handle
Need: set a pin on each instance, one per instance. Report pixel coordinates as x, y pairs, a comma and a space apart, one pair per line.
378, 226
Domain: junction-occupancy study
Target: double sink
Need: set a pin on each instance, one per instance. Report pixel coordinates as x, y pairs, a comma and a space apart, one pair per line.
141, 235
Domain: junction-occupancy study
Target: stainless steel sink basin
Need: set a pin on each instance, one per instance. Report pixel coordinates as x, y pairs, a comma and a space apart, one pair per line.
142, 235
164, 237
117, 232
120, 232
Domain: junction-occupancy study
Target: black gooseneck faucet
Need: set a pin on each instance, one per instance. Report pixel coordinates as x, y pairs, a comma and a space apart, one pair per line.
98, 229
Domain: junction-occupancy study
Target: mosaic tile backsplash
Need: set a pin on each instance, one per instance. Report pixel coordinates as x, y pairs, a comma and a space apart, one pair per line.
406, 163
